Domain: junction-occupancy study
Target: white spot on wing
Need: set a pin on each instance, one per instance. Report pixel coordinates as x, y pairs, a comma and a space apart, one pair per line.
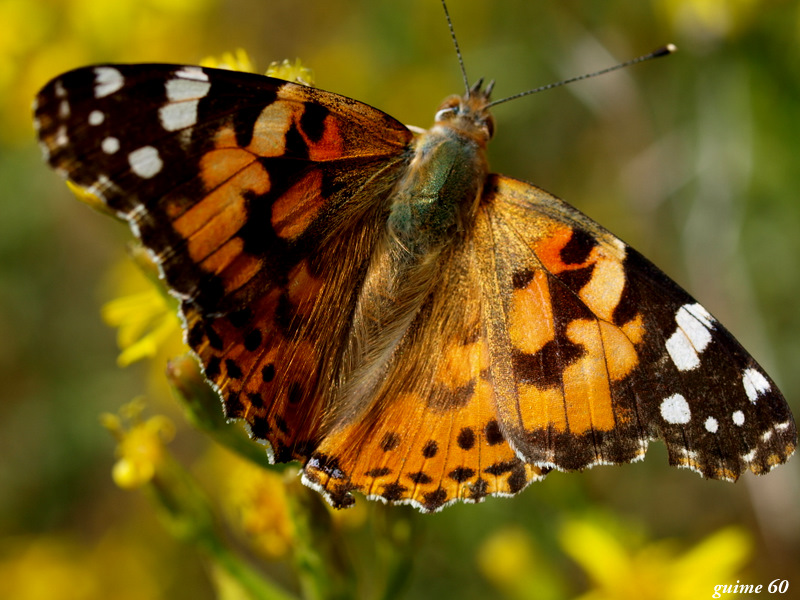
675, 410
145, 162
60, 91
190, 72
699, 313
179, 115
137, 212
99, 186
45, 150
711, 425
107, 81
96, 117
63, 109
695, 325
749, 456
110, 145
738, 418
61, 138
186, 89
754, 383
682, 352
691, 337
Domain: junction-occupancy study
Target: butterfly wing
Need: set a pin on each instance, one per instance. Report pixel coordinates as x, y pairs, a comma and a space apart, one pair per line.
545, 343
549, 343
600, 352
259, 199
430, 434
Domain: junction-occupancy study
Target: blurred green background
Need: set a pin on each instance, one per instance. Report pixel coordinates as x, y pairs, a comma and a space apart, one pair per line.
692, 159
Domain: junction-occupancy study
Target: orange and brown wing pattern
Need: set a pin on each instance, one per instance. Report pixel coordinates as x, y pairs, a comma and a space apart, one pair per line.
260, 200
374, 305
431, 434
597, 351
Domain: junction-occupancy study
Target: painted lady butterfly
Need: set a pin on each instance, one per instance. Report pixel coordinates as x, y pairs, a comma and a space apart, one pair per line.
376, 304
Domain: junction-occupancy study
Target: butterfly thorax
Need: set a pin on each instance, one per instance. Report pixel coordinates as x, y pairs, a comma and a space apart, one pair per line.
437, 197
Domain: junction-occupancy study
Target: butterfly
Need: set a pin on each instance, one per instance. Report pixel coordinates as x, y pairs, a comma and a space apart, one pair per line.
373, 302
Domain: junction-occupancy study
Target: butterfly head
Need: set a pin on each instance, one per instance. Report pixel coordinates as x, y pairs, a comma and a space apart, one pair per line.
469, 114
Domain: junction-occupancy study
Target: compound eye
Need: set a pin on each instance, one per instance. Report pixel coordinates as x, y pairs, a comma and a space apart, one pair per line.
445, 114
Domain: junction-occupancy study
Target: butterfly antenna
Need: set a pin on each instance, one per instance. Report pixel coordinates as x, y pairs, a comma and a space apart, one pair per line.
455, 43
663, 51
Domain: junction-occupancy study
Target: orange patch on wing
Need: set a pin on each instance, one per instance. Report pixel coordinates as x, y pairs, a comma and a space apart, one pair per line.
217, 166
587, 389
530, 320
275, 121
295, 209
634, 329
603, 291
217, 217
620, 354
329, 146
271, 127
461, 364
409, 455
215, 232
548, 250
542, 408
225, 137
223, 256
241, 270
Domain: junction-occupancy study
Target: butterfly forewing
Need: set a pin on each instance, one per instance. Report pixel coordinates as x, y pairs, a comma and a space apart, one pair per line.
607, 352
247, 191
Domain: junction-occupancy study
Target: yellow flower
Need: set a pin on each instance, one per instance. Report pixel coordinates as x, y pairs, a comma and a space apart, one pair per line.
145, 315
144, 321
289, 71
87, 197
622, 568
239, 60
140, 447
257, 506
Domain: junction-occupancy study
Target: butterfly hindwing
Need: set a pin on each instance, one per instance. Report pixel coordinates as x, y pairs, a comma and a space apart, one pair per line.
430, 436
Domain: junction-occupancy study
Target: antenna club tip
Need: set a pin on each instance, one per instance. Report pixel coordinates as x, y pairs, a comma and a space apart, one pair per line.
664, 50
